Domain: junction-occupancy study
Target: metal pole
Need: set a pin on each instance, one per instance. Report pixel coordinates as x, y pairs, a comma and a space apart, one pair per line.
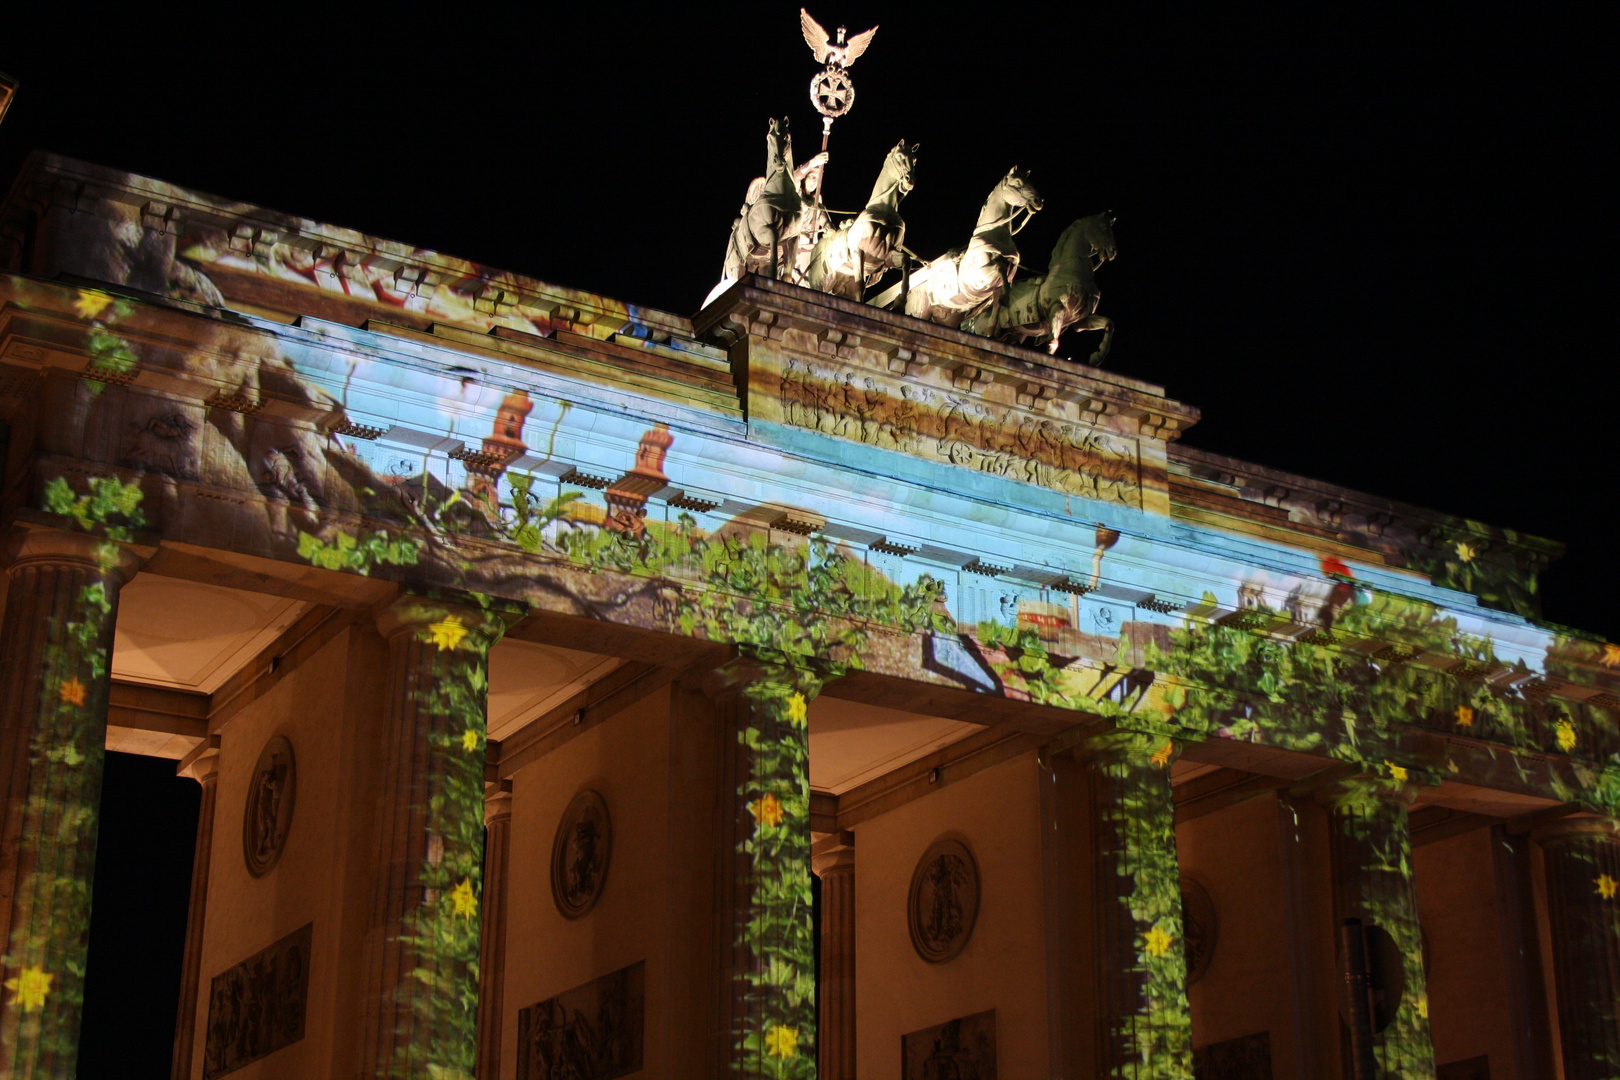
1358, 1015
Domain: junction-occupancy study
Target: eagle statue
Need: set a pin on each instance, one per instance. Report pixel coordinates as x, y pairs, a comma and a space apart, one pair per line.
836, 54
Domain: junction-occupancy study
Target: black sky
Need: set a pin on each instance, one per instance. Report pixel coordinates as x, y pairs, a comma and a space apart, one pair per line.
1374, 244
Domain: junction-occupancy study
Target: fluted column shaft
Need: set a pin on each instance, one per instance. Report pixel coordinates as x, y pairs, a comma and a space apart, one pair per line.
492, 947
1372, 882
1582, 861
422, 947
55, 653
768, 988
835, 866
1139, 969
205, 770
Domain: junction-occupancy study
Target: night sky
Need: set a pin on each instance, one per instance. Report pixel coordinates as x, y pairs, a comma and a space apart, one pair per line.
1374, 245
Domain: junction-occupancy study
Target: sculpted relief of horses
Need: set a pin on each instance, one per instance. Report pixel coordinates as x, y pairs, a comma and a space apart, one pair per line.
1040, 308
969, 282
846, 260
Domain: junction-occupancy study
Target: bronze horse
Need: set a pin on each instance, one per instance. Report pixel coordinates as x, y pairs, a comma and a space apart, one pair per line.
968, 282
1041, 307
765, 234
846, 260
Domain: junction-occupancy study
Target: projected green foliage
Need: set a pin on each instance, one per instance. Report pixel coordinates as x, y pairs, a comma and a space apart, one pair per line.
1370, 833
775, 1027
438, 1003
1139, 917
799, 610
44, 961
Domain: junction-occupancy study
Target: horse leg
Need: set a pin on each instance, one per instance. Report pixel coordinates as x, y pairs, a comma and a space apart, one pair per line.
776, 247
1057, 327
1107, 342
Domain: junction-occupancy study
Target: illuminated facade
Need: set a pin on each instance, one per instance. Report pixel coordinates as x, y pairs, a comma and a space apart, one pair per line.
533, 650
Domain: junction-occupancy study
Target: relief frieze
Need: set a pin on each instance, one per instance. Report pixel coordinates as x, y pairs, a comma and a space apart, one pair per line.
961, 428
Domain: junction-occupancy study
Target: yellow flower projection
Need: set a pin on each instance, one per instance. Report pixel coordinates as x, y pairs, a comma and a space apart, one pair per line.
469, 739
782, 1041
797, 709
1397, 771
90, 303
1466, 553
767, 810
462, 898
31, 986
1611, 655
1566, 736
1607, 886
1157, 941
1465, 716
1423, 1006
72, 691
447, 633
1161, 756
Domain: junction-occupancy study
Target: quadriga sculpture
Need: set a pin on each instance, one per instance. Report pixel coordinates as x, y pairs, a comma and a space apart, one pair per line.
765, 235
853, 256
968, 282
1039, 308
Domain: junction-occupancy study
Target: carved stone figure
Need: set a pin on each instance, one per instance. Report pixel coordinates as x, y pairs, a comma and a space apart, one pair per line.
1198, 927
258, 1006
269, 811
813, 221
765, 235
960, 1049
852, 257
592, 1032
1039, 308
580, 853
968, 282
944, 901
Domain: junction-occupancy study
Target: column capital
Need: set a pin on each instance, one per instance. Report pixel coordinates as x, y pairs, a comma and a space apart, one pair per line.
1361, 790
1128, 748
446, 623
745, 669
1576, 826
202, 764
832, 853
497, 802
30, 545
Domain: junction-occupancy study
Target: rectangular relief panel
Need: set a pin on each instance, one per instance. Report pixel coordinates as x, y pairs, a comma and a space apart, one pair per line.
592, 1032
257, 1007
964, 1048
1245, 1058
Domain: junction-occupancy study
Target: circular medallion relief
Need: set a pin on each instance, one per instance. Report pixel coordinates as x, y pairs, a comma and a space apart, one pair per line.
1198, 928
269, 806
579, 855
944, 901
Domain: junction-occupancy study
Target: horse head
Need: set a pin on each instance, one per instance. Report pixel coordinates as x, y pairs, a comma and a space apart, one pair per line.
1016, 190
899, 167
778, 146
1098, 230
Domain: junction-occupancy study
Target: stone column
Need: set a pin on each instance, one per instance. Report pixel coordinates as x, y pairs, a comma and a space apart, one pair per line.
421, 990
768, 990
1521, 951
492, 946
202, 767
1582, 861
1372, 882
833, 861
55, 651
1138, 971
